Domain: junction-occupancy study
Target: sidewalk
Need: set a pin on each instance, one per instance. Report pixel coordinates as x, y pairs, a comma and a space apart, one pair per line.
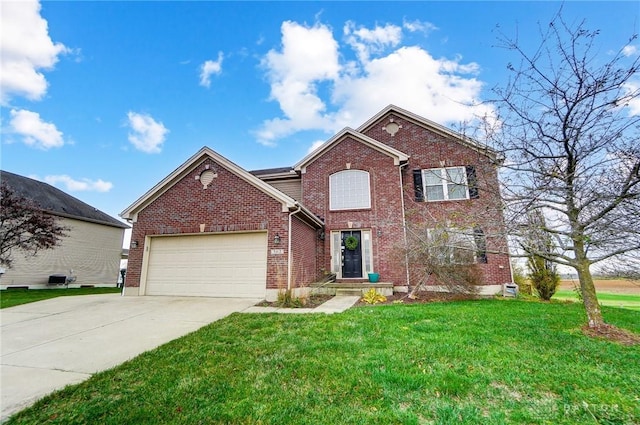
337, 304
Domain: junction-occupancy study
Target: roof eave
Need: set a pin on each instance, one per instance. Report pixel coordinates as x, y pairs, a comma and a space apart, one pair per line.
438, 128
398, 156
130, 213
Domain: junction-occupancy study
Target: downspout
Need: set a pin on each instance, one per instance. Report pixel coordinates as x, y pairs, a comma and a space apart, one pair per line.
289, 253
404, 223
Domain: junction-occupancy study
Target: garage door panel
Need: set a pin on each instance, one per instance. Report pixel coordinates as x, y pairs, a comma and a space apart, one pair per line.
230, 265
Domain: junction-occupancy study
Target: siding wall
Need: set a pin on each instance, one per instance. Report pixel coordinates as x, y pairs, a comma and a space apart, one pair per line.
291, 187
91, 250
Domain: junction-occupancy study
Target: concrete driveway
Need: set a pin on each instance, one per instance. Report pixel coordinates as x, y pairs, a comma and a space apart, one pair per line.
49, 344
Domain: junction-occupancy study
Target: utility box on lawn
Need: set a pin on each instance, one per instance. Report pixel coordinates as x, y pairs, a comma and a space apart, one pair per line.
510, 290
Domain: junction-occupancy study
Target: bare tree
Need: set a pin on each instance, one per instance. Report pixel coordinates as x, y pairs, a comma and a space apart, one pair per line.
25, 227
569, 129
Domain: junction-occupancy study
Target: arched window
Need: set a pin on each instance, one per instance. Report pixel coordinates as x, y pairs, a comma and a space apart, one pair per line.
349, 190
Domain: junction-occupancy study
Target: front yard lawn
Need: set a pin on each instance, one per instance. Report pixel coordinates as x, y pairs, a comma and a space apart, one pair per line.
11, 297
467, 362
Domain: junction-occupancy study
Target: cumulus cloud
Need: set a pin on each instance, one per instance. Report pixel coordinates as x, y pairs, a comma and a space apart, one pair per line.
146, 135
315, 145
34, 131
209, 68
630, 50
379, 71
82, 185
309, 56
25, 51
633, 91
368, 41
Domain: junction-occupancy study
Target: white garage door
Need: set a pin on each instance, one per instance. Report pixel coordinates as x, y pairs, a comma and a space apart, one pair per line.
229, 265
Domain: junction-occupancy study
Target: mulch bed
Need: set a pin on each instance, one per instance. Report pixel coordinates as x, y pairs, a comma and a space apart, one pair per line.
612, 333
311, 302
421, 298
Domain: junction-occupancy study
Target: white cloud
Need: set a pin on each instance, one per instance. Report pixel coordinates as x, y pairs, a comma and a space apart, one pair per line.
370, 41
209, 68
33, 131
25, 51
419, 26
444, 90
147, 135
633, 90
630, 50
315, 145
309, 56
82, 185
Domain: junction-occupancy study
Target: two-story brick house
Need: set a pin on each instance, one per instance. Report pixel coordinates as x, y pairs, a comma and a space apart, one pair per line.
212, 228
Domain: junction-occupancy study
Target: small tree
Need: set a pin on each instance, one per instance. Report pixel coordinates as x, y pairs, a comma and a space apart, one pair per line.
25, 227
542, 272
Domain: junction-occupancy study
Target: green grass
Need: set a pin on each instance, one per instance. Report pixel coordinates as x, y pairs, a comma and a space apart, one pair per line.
628, 301
13, 297
475, 362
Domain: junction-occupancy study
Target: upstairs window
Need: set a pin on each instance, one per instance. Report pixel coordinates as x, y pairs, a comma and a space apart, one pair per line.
442, 184
349, 190
445, 184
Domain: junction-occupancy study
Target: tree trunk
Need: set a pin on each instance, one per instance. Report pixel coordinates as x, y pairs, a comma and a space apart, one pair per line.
589, 297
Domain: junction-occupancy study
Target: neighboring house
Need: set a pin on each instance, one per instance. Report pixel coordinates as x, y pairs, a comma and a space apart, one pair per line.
211, 228
89, 254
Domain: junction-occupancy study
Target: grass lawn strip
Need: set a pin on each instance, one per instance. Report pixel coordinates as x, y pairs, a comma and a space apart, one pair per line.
13, 297
629, 301
474, 362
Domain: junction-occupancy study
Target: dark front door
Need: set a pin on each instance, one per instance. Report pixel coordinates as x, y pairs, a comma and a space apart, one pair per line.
351, 256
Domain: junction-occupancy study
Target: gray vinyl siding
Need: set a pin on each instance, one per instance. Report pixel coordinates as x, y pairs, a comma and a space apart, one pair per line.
91, 250
291, 187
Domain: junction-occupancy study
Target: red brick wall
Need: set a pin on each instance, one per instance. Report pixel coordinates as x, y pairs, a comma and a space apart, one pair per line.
304, 244
427, 149
384, 218
228, 204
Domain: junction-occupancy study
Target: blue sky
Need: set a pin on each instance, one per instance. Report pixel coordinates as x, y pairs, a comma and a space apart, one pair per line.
104, 99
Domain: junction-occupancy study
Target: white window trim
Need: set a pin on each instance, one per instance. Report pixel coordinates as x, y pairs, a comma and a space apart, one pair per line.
461, 233
366, 246
444, 182
366, 205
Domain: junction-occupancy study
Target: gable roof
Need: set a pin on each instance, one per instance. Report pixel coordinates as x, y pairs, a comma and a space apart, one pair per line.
398, 157
288, 203
57, 202
433, 126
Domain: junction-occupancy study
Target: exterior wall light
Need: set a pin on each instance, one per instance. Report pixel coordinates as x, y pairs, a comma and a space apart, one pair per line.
276, 239
134, 244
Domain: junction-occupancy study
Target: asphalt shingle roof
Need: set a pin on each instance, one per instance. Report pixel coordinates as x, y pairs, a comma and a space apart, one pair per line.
55, 201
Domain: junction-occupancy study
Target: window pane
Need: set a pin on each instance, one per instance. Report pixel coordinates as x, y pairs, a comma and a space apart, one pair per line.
457, 191
349, 190
434, 193
433, 177
455, 175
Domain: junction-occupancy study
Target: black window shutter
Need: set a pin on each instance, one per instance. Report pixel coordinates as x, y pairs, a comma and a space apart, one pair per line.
481, 245
417, 185
472, 181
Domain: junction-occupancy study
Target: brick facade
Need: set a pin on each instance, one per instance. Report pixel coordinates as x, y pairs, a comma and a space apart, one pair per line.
229, 204
233, 202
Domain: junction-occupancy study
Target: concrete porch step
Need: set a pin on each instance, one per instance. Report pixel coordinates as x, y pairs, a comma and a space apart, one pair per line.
349, 291
351, 288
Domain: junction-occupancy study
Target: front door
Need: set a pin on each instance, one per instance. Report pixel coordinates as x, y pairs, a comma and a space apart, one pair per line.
351, 254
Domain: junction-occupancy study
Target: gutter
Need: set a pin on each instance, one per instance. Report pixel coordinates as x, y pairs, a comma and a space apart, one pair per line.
404, 222
289, 253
